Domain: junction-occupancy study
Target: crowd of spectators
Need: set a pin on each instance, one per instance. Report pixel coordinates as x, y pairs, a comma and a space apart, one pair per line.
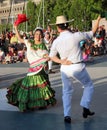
96, 46
11, 51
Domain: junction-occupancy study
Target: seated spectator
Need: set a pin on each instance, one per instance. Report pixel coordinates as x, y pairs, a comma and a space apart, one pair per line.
98, 44
87, 54
95, 50
8, 59
2, 56
84, 55
20, 54
97, 40
14, 58
11, 51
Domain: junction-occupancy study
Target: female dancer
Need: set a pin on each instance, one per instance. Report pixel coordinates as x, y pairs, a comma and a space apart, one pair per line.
33, 91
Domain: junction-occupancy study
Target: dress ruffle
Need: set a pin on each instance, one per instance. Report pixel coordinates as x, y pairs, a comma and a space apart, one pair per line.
31, 92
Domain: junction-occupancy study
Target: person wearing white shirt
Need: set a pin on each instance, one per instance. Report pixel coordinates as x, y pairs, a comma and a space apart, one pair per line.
48, 42
72, 66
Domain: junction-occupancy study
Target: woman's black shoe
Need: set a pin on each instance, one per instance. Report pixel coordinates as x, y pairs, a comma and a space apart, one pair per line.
67, 119
87, 112
42, 108
51, 72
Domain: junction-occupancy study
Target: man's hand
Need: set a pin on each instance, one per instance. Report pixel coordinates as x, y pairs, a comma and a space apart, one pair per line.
99, 18
46, 56
65, 62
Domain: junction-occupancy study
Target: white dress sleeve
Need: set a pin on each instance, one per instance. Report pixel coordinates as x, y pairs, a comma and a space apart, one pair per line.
27, 43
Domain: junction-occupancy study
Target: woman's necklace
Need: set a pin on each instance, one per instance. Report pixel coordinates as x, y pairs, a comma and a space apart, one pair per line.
36, 48
33, 45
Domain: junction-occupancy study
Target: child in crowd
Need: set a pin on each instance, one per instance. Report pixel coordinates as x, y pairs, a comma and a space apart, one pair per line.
14, 58
8, 59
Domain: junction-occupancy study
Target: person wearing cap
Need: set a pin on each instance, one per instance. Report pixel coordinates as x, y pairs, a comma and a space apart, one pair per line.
34, 90
67, 44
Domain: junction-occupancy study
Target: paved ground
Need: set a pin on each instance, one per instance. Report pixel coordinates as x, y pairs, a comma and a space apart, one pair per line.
52, 118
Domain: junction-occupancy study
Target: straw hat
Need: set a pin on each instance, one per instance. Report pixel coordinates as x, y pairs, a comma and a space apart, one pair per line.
61, 20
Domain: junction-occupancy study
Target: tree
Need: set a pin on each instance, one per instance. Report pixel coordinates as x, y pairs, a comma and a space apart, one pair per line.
49, 11
62, 8
30, 11
104, 4
31, 7
81, 12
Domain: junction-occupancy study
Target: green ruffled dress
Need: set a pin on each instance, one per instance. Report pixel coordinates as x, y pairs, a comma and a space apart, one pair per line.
32, 91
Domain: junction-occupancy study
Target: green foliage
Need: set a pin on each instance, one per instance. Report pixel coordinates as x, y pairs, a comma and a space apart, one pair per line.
2, 28
82, 14
31, 13
31, 7
104, 4
49, 11
79, 10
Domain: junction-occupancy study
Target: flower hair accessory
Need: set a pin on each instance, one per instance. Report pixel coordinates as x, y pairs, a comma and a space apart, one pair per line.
20, 19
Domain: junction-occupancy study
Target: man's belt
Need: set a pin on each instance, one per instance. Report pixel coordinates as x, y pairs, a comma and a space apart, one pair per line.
79, 62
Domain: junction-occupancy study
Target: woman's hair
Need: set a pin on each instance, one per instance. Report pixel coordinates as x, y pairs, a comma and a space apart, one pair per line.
41, 31
63, 26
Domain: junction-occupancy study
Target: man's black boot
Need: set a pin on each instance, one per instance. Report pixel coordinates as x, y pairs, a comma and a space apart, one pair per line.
67, 119
87, 112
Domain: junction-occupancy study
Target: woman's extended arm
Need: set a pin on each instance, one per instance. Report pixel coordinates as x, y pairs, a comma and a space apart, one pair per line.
18, 35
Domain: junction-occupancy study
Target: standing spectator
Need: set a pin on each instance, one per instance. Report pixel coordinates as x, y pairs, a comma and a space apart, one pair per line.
2, 43
13, 40
102, 32
7, 42
31, 36
25, 36
103, 35
49, 29
67, 44
48, 42
25, 54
